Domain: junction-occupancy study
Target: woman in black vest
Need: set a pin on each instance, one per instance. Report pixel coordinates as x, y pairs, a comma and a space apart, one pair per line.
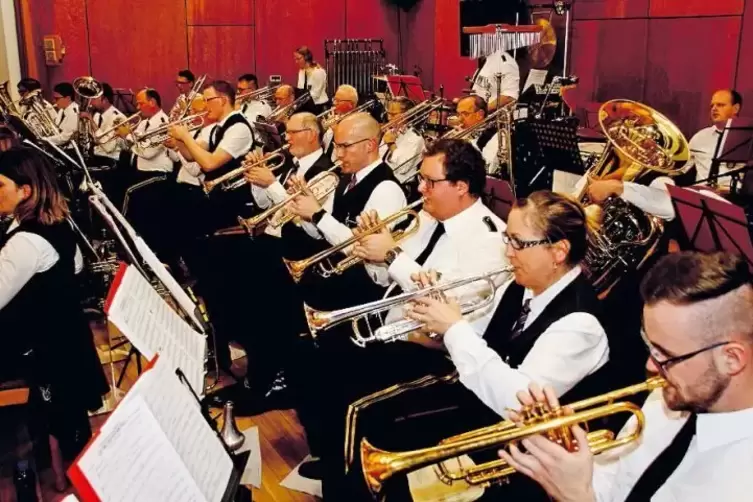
48, 342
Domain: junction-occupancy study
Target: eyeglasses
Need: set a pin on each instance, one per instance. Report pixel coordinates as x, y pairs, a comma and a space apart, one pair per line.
429, 181
345, 146
518, 244
666, 364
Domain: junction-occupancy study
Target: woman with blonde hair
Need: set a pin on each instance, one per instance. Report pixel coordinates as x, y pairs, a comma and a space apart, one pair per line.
312, 78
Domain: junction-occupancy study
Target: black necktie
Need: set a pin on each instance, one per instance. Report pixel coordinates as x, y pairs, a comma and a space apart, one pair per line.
438, 232
291, 172
351, 183
99, 122
62, 119
134, 157
664, 465
520, 324
305, 80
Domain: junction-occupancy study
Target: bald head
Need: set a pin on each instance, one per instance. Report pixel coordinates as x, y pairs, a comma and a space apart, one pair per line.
284, 95
359, 126
357, 142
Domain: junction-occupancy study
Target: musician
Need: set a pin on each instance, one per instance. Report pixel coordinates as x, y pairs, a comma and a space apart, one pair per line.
27, 85
52, 348
472, 110
312, 78
251, 109
698, 322
485, 82
284, 96
184, 82
345, 100
401, 149
106, 116
67, 113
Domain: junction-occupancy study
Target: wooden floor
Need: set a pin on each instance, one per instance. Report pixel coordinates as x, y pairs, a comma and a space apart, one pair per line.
281, 437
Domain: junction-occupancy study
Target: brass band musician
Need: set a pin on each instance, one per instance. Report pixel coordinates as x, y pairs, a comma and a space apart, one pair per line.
312, 78
104, 119
485, 82
471, 110
345, 100
67, 113
402, 148
184, 81
27, 85
251, 109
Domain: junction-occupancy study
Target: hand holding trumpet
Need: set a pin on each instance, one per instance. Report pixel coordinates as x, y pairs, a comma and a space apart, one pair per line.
372, 247
305, 205
437, 313
259, 175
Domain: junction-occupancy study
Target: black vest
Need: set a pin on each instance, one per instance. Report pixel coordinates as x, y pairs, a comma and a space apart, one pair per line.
351, 204
216, 138
578, 296
485, 137
46, 318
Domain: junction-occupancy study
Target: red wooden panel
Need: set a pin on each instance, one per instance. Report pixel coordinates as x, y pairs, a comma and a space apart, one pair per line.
584, 57
283, 26
133, 50
450, 68
609, 9
684, 68
744, 80
373, 19
220, 12
68, 21
223, 52
693, 8
417, 29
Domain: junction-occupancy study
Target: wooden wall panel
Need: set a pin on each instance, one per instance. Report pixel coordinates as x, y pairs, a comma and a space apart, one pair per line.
220, 12
450, 68
374, 19
283, 26
69, 21
609, 9
584, 57
695, 8
417, 31
129, 50
685, 68
744, 77
223, 52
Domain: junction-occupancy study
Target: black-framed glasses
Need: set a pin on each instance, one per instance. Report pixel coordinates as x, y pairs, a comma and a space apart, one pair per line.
430, 182
345, 146
665, 364
518, 244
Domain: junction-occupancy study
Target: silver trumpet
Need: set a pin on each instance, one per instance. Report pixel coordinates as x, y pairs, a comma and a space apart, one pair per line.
399, 330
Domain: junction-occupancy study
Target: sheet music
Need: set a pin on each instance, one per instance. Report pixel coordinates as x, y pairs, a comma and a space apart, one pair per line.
152, 326
535, 77
132, 460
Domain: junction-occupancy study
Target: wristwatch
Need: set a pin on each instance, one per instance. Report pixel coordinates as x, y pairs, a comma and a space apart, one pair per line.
391, 255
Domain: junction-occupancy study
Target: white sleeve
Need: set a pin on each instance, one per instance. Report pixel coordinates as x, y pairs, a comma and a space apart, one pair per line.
67, 128
490, 155
407, 156
653, 199
277, 192
569, 350
510, 80
24, 255
317, 83
237, 141
386, 199
261, 197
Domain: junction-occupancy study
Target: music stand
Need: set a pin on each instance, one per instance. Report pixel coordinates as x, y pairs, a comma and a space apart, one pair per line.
711, 224
735, 146
541, 146
269, 135
409, 86
498, 196
124, 101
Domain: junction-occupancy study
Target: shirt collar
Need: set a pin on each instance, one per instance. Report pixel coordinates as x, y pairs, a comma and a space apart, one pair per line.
222, 122
538, 303
305, 162
719, 429
366, 170
13, 225
463, 220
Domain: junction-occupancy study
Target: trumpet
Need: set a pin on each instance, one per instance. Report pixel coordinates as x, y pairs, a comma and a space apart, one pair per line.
278, 215
399, 330
322, 259
234, 179
158, 135
379, 465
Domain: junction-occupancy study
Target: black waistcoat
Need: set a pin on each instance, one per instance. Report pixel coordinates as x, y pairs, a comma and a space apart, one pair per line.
351, 204
578, 296
216, 138
486, 137
46, 318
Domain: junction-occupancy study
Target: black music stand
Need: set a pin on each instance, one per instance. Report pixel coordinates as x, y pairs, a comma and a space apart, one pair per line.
711, 224
409, 86
498, 196
735, 146
541, 146
124, 101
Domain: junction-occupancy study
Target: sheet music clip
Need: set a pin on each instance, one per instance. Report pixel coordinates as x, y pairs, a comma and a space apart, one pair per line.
711, 224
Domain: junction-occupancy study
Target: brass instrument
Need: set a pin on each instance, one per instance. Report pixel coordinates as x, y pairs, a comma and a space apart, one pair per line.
158, 135
379, 465
183, 106
283, 113
234, 179
7, 105
640, 141
87, 88
322, 259
230, 434
413, 117
399, 330
263, 94
37, 115
122, 127
330, 118
470, 133
320, 186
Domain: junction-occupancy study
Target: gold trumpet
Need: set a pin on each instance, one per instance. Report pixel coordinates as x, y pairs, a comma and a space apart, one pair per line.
327, 269
234, 179
123, 127
279, 214
379, 465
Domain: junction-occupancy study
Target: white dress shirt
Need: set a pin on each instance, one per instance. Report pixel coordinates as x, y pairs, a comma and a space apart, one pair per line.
570, 349
702, 149
716, 467
406, 158
110, 144
24, 255
472, 244
252, 109
327, 138
485, 84
317, 84
67, 120
153, 158
190, 173
386, 199
489, 152
237, 140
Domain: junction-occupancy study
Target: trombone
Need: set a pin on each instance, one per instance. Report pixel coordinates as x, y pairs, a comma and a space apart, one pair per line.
158, 135
283, 113
412, 117
399, 330
320, 186
322, 259
329, 118
126, 123
184, 106
234, 179
263, 94
379, 465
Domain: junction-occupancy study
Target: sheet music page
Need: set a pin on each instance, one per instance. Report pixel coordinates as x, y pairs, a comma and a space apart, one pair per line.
152, 326
132, 460
168, 280
535, 77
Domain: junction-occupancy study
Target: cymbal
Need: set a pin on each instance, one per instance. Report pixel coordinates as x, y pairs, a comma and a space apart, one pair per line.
542, 54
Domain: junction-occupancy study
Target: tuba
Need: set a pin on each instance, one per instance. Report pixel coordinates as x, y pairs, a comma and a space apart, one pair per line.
87, 89
640, 142
379, 465
7, 105
38, 118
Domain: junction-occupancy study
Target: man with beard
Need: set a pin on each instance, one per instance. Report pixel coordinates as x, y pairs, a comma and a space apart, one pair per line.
697, 443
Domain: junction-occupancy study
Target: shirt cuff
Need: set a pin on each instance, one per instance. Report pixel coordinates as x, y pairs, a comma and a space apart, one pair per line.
401, 270
277, 192
457, 334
